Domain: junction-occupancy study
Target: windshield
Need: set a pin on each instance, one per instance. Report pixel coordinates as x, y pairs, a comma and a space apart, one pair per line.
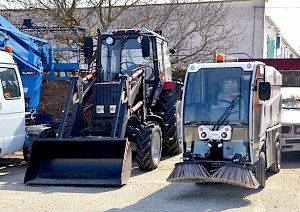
290, 98
217, 96
122, 56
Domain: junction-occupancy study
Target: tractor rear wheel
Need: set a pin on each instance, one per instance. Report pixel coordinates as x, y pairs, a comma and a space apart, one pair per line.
166, 107
261, 174
148, 147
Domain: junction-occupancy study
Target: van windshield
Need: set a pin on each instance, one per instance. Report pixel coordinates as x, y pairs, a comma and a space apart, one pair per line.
215, 95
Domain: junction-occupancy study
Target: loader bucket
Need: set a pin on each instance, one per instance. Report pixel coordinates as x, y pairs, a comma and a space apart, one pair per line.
79, 161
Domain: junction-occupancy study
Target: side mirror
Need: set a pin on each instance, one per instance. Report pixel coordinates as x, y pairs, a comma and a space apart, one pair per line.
88, 47
145, 46
172, 51
264, 91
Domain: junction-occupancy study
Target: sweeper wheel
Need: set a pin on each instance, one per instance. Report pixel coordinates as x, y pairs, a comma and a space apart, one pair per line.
277, 164
166, 106
149, 142
262, 170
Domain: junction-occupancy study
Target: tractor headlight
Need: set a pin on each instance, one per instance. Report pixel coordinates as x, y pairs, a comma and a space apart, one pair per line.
109, 40
100, 109
112, 108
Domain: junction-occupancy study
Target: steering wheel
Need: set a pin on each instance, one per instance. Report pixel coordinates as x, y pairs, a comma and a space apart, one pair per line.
127, 67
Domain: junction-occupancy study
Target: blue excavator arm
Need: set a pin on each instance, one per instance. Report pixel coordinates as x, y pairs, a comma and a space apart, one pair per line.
30, 53
38, 60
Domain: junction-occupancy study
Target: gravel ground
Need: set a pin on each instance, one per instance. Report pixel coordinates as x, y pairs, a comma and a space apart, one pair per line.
149, 191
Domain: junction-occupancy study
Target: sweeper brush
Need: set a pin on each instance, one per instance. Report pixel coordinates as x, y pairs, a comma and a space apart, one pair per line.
186, 172
235, 175
189, 173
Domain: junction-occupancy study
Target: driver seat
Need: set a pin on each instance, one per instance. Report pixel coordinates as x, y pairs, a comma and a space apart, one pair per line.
229, 90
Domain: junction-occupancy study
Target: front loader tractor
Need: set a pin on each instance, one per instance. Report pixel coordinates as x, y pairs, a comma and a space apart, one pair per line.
128, 98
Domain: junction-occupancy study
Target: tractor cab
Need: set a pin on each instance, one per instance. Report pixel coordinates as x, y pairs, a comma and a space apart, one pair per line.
123, 53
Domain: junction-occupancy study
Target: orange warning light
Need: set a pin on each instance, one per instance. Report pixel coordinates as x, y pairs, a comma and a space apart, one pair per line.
220, 57
8, 49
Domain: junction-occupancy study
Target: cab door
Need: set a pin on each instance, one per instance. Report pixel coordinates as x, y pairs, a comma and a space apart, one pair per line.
257, 115
12, 110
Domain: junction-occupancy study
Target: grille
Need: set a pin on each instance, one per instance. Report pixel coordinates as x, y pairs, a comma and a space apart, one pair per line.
292, 141
285, 129
106, 93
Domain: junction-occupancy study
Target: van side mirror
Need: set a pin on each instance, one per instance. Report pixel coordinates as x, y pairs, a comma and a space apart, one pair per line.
264, 91
145, 42
88, 47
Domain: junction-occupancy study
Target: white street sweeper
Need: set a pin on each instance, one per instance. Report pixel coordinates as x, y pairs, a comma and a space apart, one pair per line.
230, 124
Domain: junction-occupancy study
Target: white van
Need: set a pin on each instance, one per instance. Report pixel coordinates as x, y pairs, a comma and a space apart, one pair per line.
290, 119
12, 106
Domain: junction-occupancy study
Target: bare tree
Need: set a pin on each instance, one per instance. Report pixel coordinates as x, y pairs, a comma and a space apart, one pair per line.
195, 30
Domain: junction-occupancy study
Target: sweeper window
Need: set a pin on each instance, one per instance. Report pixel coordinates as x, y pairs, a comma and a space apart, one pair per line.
210, 91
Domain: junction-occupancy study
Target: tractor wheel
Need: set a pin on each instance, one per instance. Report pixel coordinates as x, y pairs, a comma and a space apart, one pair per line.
148, 146
166, 106
27, 147
261, 174
29, 139
277, 164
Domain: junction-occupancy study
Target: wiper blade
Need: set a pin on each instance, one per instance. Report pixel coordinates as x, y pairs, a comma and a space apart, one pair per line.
121, 43
227, 112
198, 123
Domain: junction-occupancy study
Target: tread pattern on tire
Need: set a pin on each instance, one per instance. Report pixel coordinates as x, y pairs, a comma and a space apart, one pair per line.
166, 105
27, 151
143, 154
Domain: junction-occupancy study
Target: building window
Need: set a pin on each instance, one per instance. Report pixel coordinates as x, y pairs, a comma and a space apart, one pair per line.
270, 47
10, 83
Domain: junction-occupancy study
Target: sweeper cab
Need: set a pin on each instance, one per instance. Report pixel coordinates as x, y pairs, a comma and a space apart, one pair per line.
230, 124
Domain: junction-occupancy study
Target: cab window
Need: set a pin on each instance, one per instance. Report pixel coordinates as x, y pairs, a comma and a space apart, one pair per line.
9, 83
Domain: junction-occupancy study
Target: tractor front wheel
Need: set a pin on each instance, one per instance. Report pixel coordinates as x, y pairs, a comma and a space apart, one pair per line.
149, 147
49, 133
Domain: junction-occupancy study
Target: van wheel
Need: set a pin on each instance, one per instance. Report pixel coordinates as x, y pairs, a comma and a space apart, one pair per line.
277, 164
261, 174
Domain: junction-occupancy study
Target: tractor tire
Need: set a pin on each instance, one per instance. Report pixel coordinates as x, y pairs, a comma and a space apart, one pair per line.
277, 164
149, 146
166, 108
261, 174
29, 141
27, 147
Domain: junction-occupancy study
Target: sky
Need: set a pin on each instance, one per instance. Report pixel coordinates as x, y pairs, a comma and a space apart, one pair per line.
286, 15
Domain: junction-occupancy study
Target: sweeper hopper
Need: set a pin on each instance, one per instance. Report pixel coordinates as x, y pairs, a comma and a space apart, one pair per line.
230, 124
